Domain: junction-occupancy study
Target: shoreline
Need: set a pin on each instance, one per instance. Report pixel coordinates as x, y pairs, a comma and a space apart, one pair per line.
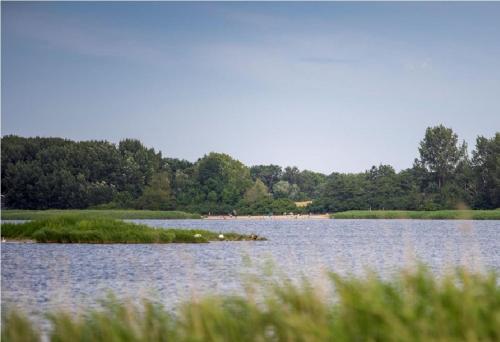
267, 217
460, 214
18, 240
468, 214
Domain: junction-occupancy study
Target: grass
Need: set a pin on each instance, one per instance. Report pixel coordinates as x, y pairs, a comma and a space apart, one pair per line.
93, 213
79, 229
413, 306
421, 215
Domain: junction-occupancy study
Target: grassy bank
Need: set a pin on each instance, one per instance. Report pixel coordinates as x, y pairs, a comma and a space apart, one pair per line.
421, 215
75, 229
113, 214
411, 307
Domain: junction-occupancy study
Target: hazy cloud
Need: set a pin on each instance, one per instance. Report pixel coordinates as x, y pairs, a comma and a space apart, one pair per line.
83, 37
327, 60
324, 86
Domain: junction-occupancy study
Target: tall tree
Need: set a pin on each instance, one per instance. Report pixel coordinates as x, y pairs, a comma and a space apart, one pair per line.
486, 168
382, 187
269, 174
440, 153
291, 174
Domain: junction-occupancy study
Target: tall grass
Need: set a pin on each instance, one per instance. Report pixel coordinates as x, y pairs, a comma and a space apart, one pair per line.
413, 306
92, 213
422, 215
78, 229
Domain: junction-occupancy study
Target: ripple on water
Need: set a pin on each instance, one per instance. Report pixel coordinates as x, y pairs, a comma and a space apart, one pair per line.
43, 276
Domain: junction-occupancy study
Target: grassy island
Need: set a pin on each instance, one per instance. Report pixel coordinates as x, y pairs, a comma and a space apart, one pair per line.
113, 214
76, 229
420, 215
413, 306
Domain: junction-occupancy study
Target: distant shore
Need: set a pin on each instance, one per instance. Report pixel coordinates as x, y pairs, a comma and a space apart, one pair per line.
268, 217
419, 215
122, 214
375, 214
176, 215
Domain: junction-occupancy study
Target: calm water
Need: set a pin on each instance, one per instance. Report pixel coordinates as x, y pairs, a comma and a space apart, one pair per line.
41, 276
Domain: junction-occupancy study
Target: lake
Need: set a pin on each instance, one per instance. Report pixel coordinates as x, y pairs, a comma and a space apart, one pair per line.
37, 277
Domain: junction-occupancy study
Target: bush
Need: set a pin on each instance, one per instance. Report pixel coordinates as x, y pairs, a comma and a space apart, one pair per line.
267, 206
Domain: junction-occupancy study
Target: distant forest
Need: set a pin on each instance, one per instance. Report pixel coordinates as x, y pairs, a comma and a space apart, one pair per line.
43, 173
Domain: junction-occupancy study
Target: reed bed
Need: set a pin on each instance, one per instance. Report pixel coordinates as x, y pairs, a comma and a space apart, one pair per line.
79, 229
420, 215
11, 214
412, 306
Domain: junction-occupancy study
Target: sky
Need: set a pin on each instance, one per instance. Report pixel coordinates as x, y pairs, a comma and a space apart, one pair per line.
321, 86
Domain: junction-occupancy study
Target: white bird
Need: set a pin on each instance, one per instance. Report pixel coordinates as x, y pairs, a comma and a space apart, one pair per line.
3, 240
221, 237
197, 235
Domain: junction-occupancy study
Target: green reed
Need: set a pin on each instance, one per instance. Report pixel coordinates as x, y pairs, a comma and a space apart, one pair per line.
412, 306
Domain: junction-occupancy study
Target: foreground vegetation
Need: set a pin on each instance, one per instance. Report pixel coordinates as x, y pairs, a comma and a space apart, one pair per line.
421, 215
75, 229
414, 306
112, 214
50, 173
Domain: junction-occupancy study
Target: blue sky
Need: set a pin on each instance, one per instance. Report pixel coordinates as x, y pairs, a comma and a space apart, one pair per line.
323, 86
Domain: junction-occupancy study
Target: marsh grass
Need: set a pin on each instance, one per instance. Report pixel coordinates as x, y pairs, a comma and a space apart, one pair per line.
412, 306
113, 214
80, 229
421, 215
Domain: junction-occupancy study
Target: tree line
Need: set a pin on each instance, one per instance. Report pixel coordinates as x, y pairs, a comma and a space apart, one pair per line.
43, 173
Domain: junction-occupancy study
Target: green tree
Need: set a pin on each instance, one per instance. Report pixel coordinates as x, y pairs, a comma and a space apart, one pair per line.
269, 174
440, 153
139, 165
291, 174
257, 192
20, 185
486, 169
310, 184
344, 192
382, 188
222, 179
281, 189
157, 195
41, 173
